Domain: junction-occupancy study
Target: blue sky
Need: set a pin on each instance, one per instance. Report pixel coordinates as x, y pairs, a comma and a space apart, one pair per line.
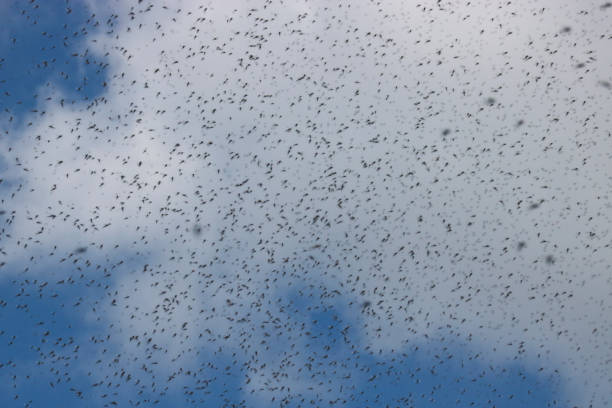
38, 46
419, 376
171, 175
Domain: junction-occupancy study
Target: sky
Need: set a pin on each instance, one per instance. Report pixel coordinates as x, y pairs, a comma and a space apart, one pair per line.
307, 203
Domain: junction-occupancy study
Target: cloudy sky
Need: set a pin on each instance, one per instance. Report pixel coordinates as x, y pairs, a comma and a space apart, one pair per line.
306, 203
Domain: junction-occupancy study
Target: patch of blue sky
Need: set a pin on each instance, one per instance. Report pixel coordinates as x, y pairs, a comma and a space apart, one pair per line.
56, 348
43, 47
43, 335
440, 373
47, 325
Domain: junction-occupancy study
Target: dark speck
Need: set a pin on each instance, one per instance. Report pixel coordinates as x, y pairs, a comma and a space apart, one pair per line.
81, 250
566, 29
521, 245
366, 304
446, 132
490, 101
197, 230
550, 259
533, 206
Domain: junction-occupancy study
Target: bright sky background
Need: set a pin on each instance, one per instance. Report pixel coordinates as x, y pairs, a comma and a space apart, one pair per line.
305, 203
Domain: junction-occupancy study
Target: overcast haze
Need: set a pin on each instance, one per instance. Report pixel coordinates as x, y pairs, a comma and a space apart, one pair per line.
307, 203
